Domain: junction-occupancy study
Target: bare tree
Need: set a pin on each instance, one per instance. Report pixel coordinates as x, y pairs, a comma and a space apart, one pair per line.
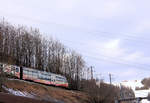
2, 77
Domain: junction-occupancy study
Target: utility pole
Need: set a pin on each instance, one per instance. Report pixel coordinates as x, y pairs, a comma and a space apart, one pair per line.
121, 94
110, 78
91, 72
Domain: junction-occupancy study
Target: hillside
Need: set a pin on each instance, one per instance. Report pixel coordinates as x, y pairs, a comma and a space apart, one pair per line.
17, 99
43, 92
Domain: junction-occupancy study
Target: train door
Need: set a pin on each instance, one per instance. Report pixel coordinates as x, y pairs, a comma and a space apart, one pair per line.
21, 73
14, 70
17, 71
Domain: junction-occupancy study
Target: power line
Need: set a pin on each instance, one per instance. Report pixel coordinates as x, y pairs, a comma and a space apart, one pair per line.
100, 33
110, 78
79, 28
126, 37
102, 50
111, 58
120, 63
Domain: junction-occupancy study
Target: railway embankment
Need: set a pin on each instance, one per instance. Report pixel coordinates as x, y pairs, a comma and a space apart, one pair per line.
43, 92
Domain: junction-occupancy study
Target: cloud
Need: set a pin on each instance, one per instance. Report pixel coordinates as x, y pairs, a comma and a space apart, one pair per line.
143, 26
133, 56
128, 72
114, 50
107, 15
109, 48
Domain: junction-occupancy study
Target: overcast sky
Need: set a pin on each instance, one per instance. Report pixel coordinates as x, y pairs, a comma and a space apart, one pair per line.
112, 35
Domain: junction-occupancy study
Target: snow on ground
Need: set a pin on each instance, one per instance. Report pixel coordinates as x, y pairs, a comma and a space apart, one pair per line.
141, 93
133, 85
130, 84
18, 93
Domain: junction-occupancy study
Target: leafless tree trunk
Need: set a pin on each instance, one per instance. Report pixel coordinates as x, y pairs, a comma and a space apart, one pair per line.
1, 77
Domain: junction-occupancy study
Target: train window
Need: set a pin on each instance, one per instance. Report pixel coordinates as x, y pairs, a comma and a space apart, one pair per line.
29, 73
65, 81
34, 74
25, 72
17, 69
61, 79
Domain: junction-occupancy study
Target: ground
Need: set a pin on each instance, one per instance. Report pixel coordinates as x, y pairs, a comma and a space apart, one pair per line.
8, 98
44, 93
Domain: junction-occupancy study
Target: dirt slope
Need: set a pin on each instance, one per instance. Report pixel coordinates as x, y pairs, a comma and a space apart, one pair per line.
8, 98
49, 93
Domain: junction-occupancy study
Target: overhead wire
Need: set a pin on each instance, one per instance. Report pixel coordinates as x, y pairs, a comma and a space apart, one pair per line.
106, 36
98, 33
111, 58
140, 67
117, 61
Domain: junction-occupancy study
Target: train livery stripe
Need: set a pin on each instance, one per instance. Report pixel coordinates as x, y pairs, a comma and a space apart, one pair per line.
35, 75
26, 77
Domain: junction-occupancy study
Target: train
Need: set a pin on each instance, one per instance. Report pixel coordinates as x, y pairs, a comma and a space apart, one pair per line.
34, 75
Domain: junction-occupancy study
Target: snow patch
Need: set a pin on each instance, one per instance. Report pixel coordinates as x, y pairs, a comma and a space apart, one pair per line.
133, 85
130, 84
18, 93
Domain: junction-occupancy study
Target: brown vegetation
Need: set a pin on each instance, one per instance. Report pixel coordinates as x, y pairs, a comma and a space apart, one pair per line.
106, 93
91, 93
26, 47
2, 78
17, 99
44, 92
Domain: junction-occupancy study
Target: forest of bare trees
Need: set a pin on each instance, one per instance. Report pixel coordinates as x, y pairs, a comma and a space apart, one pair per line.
26, 47
106, 93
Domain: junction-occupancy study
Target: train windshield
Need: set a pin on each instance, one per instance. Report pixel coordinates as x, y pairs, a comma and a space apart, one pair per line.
17, 69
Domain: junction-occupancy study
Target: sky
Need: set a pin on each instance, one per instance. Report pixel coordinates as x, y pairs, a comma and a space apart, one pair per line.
111, 35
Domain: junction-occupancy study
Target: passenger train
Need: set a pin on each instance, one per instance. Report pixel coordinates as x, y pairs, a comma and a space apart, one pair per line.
34, 75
